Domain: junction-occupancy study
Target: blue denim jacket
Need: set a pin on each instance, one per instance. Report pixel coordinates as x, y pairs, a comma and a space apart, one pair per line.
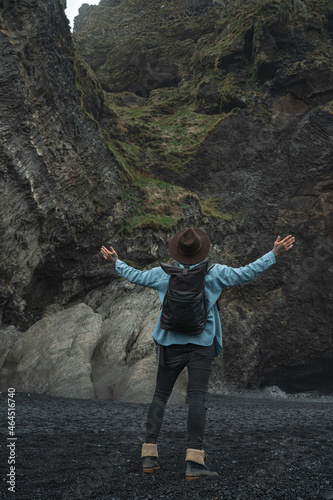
219, 277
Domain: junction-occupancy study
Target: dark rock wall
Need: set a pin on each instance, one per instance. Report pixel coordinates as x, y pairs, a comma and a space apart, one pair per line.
281, 180
59, 183
140, 46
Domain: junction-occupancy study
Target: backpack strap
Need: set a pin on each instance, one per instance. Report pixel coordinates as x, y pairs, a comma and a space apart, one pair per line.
169, 267
186, 270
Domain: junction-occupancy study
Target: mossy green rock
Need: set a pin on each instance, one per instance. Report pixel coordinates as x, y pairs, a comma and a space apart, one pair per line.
194, 63
139, 46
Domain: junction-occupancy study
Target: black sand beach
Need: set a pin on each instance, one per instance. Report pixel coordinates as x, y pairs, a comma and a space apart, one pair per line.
263, 448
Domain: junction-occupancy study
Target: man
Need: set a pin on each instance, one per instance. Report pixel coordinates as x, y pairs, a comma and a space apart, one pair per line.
189, 247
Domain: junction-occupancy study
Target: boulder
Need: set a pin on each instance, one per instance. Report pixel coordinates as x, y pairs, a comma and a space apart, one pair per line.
53, 356
124, 363
75, 352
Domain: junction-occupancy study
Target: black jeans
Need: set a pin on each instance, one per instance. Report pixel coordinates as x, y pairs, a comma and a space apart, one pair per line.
198, 360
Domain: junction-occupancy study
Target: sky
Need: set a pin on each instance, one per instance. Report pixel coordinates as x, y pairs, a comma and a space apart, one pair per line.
73, 8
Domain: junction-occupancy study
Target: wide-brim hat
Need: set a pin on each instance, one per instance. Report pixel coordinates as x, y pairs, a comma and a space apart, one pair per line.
189, 246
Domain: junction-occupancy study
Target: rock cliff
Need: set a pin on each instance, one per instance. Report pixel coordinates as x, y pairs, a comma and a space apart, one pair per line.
247, 89
59, 183
211, 113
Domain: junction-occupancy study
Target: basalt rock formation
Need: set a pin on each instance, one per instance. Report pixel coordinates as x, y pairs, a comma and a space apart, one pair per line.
59, 183
140, 46
161, 115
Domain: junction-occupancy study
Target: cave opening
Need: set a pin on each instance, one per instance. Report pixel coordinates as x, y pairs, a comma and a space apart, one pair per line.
314, 377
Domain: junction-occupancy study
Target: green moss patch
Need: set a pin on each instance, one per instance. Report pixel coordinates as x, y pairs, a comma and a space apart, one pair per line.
163, 134
151, 203
209, 207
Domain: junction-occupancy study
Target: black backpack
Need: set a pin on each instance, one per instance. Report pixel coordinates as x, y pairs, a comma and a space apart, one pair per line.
184, 306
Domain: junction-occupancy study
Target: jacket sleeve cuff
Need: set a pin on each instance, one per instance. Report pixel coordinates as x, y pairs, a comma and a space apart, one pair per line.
272, 256
117, 265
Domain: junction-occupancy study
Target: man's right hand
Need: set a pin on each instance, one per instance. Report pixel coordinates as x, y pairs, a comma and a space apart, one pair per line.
109, 255
282, 246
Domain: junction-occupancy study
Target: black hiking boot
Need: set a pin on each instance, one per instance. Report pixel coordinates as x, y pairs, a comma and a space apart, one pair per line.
150, 455
150, 464
196, 466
